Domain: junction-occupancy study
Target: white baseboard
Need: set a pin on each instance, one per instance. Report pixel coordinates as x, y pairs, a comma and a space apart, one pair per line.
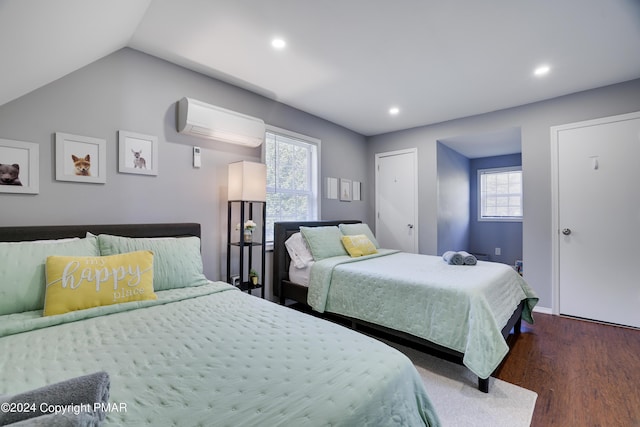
543, 310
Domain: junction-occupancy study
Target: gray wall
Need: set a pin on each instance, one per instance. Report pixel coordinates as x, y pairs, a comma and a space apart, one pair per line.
485, 236
132, 91
535, 121
453, 200
129, 90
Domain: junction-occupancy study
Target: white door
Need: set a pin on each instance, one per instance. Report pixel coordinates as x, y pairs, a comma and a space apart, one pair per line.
397, 200
598, 222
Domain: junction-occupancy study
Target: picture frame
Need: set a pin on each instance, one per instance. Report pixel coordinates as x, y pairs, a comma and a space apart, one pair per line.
332, 188
19, 167
345, 190
81, 158
357, 187
137, 153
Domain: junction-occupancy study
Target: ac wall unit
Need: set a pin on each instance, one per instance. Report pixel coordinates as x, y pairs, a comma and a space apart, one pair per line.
204, 120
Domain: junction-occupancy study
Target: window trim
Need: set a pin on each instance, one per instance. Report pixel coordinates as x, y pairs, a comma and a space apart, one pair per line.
484, 171
318, 166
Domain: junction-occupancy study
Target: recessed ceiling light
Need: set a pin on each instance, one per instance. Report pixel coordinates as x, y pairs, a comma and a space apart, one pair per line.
278, 43
542, 70
394, 110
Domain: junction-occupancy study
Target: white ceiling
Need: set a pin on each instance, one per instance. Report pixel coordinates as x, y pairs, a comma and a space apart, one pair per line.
346, 61
486, 144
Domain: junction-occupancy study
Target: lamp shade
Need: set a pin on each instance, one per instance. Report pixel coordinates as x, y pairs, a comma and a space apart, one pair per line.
248, 181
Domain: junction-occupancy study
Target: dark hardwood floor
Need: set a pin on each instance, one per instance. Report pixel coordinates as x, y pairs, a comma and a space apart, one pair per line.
585, 373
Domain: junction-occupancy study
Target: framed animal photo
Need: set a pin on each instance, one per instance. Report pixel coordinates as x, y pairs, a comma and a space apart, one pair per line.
81, 158
137, 153
19, 167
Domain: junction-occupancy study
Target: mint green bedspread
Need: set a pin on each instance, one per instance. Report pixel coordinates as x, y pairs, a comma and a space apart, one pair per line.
214, 356
463, 308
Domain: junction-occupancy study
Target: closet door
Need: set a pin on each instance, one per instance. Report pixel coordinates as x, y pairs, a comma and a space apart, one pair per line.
598, 219
397, 200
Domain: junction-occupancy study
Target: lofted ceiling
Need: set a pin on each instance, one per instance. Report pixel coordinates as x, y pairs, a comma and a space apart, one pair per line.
346, 61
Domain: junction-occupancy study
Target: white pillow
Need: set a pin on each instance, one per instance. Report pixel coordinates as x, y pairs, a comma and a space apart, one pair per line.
298, 250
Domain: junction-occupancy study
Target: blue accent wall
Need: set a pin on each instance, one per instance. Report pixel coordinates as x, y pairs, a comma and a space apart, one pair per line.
485, 236
453, 200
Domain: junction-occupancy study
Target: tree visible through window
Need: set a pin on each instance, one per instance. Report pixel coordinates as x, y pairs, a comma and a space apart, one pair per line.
500, 194
292, 183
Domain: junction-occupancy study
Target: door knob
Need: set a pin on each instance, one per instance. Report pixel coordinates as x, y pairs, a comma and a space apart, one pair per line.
410, 225
566, 231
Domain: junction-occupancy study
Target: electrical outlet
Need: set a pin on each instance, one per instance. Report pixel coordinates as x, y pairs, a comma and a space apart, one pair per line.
498, 251
235, 280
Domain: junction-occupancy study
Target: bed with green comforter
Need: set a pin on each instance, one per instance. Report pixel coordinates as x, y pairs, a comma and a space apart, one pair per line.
207, 354
465, 311
463, 308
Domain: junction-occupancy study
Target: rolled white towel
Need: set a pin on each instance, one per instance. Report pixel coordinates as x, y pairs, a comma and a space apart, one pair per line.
468, 258
453, 258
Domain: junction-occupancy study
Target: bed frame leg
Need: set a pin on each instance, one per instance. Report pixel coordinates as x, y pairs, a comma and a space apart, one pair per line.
483, 384
517, 328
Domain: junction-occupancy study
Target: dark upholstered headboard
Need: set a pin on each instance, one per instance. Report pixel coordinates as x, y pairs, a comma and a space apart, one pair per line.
281, 232
45, 232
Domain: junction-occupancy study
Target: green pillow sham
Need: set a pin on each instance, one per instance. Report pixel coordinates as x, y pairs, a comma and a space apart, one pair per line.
177, 262
354, 229
22, 270
324, 242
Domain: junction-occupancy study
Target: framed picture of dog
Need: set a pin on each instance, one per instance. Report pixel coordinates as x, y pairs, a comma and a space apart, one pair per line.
137, 153
19, 167
81, 158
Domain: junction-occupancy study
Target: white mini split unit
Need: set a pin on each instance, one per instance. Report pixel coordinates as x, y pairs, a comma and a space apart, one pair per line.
204, 120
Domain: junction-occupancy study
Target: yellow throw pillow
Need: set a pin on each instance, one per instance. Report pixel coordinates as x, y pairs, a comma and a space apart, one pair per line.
358, 245
80, 282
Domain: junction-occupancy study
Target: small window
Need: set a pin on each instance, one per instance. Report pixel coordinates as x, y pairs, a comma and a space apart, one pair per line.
292, 177
500, 194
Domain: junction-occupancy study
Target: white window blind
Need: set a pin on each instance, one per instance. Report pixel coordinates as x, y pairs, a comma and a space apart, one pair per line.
292, 178
500, 194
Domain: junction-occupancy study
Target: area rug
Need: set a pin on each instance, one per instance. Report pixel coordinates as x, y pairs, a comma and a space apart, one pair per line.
453, 391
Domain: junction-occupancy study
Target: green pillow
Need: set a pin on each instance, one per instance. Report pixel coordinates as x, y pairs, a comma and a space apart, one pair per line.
354, 229
177, 262
324, 242
22, 272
